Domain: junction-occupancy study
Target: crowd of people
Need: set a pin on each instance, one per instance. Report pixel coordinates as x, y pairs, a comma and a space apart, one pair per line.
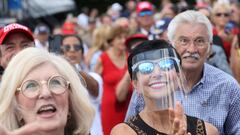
141, 69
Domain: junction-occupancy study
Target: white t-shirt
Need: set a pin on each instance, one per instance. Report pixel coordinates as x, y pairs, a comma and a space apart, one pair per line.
96, 128
38, 44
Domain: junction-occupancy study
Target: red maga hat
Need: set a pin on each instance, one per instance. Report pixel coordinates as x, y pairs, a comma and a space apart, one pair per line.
135, 37
144, 5
14, 27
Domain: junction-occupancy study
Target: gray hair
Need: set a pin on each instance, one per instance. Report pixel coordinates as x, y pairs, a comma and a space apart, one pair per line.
189, 16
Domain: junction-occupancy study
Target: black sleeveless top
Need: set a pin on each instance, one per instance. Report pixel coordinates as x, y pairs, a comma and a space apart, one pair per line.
194, 125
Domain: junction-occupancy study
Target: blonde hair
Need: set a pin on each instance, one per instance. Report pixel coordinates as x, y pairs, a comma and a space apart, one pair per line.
122, 22
218, 6
27, 60
116, 31
100, 36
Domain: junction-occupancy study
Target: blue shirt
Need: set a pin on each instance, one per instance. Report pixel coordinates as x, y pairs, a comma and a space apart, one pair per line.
215, 99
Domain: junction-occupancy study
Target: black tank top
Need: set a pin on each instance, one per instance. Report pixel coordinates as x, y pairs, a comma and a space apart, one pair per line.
194, 125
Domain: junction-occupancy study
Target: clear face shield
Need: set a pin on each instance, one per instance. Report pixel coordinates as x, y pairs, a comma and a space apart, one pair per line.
158, 76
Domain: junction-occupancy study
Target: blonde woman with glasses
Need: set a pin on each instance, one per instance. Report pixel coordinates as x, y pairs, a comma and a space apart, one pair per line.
43, 96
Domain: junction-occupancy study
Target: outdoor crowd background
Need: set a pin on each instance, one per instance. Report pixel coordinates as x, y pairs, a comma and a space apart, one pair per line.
95, 30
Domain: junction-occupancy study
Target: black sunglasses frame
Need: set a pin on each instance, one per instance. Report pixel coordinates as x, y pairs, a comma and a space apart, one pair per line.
222, 14
67, 48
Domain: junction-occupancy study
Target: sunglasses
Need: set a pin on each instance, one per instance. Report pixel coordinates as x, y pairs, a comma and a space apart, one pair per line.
67, 48
145, 13
222, 14
147, 67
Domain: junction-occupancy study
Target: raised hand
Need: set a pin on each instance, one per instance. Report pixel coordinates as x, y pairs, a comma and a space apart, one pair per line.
178, 120
28, 129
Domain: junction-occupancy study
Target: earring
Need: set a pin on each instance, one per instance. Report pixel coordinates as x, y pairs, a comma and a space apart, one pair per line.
21, 122
69, 116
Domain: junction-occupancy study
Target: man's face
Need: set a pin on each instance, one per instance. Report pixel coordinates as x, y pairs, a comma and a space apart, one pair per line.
145, 18
14, 43
192, 43
42, 37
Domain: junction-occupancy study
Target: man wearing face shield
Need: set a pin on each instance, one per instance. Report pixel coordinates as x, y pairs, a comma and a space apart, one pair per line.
214, 95
154, 67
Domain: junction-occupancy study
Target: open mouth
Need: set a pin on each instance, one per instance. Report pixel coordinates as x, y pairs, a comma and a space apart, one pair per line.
46, 109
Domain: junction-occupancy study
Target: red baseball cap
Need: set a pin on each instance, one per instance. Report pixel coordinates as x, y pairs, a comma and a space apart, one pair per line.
68, 28
144, 5
14, 27
135, 37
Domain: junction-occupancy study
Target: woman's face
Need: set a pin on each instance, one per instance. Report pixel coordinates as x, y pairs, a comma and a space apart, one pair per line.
119, 42
46, 108
221, 17
72, 49
159, 82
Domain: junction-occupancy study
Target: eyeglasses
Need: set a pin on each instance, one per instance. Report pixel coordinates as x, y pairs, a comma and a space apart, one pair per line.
9, 47
147, 67
200, 42
67, 48
31, 88
145, 13
222, 14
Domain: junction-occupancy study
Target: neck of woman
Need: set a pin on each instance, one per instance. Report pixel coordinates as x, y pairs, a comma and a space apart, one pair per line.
117, 53
159, 120
220, 28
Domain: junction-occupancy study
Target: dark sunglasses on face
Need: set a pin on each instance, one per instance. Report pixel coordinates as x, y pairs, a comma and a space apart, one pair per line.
147, 67
145, 13
67, 48
222, 14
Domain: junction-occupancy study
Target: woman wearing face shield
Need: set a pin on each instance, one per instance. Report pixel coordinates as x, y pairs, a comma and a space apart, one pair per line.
154, 67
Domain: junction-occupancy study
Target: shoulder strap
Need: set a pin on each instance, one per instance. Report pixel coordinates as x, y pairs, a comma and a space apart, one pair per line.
201, 130
133, 123
140, 127
196, 126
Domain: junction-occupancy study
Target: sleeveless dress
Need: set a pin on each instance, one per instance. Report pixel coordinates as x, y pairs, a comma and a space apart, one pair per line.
195, 126
113, 112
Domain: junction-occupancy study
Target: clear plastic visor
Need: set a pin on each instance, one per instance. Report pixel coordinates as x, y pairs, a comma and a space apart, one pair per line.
157, 75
